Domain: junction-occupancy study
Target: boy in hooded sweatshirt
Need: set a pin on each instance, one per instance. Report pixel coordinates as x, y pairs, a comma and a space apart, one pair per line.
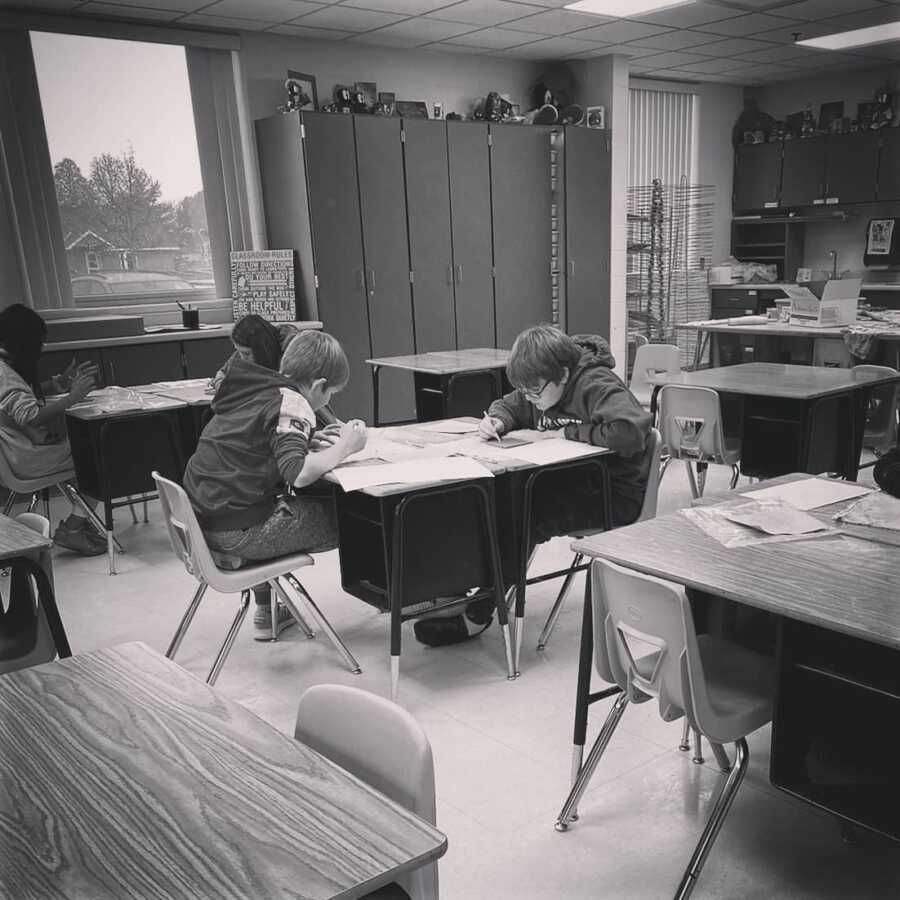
261, 440
567, 383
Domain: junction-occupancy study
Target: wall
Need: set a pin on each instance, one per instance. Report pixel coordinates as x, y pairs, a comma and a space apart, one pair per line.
454, 79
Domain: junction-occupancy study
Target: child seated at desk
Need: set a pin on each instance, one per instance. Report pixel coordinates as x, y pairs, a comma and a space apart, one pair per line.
32, 429
262, 437
568, 383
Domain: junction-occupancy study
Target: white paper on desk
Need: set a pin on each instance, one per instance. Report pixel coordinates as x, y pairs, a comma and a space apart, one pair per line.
798, 292
552, 451
878, 510
450, 426
811, 493
774, 517
418, 471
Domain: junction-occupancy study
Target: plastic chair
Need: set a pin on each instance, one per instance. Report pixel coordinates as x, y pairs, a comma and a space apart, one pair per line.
690, 421
881, 417
190, 547
383, 745
648, 511
26, 638
831, 353
649, 359
645, 639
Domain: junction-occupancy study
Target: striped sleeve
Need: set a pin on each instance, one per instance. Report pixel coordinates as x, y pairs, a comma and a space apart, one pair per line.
295, 422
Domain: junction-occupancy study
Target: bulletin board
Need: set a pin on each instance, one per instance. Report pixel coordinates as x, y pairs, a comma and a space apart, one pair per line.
263, 283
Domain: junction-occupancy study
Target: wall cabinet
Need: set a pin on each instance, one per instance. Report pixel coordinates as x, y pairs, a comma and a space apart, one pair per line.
757, 176
889, 165
851, 168
803, 173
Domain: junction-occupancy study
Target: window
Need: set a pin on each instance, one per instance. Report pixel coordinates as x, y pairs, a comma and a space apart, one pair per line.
122, 140
661, 137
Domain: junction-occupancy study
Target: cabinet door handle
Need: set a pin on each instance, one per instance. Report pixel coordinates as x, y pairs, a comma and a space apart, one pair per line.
572, 268
371, 278
449, 274
459, 274
112, 372
360, 281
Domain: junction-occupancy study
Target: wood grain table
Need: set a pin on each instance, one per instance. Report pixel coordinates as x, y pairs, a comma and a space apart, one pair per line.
17, 539
437, 373
125, 776
793, 418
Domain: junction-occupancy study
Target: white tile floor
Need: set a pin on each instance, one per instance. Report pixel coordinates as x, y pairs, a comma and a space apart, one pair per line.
502, 750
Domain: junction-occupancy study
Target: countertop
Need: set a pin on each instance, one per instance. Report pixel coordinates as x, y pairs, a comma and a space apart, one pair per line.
780, 286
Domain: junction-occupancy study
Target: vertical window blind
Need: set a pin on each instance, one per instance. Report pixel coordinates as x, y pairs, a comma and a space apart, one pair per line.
660, 137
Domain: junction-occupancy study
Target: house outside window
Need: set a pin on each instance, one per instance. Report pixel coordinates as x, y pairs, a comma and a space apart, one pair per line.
92, 261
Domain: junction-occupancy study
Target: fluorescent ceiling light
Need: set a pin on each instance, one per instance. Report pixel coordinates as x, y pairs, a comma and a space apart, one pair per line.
624, 8
861, 37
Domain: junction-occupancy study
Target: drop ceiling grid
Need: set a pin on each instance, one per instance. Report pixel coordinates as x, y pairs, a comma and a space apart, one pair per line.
707, 40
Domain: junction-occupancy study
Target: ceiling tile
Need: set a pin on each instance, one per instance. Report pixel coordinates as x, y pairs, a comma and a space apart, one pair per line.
815, 10
346, 19
549, 48
635, 51
269, 11
716, 66
316, 34
547, 4
676, 40
111, 10
821, 59
786, 53
749, 24
730, 47
866, 18
405, 7
184, 6
455, 48
690, 15
226, 22
766, 70
493, 39
379, 39
557, 21
878, 51
425, 30
758, 4
54, 5
670, 75
622, 31
672, 58
595, 51
785, 35
484, 12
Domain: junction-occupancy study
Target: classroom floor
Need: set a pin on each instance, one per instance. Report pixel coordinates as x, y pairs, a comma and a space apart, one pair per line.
502, 750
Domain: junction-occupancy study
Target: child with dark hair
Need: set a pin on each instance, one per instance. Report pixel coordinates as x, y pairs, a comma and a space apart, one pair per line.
258, 442
32, 429
568, 383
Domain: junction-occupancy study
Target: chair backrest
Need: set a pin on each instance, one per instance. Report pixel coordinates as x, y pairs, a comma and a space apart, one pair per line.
881, 416
651, 358
13, 482
690, 422
25, 636
647, 630
651, 492
185, 534
380, 743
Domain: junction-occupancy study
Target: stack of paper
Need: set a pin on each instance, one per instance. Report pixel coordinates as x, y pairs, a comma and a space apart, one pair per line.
419, 471
811, 493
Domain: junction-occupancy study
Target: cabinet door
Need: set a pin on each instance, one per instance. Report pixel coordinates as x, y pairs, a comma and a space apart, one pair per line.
430, 250
470, 204
142, 363
757, 176
587, 231
55, 362
803, 174
889, 165
202, 359
851, 169
379, 159
520, 182
337, 241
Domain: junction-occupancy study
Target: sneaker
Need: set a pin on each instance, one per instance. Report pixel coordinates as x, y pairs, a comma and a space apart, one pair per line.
262, 622
79, 539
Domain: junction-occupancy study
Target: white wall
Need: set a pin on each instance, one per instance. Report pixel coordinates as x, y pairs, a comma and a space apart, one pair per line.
457, 80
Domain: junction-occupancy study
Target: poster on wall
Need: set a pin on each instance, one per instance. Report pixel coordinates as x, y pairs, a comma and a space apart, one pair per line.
262, 283
881, 232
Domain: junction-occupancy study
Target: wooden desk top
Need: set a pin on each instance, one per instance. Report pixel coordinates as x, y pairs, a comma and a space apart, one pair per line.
17, 539
446, 362
844, 584
193, 391
116, 401
776, 380
784, 329
125, 776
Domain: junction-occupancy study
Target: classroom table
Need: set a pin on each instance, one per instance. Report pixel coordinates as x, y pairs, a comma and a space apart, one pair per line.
124, 775
439, 373
838, 648
792, 418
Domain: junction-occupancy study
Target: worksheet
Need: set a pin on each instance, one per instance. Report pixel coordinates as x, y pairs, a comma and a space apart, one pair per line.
413, 471
811, 493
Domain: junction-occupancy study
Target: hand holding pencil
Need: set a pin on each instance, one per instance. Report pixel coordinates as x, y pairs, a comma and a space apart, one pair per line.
489, 428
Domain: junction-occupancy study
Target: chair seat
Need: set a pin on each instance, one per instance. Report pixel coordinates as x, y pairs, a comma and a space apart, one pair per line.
237, 580
32, 485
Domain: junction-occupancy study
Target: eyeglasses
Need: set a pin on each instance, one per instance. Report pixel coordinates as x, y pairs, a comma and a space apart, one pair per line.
535, 395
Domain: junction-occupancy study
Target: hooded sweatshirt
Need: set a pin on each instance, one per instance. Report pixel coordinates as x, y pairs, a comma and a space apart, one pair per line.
255, 443
595, 408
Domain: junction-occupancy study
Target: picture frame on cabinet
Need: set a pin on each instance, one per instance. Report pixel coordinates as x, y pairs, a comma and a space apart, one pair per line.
369, 91
830, 112
411, 109
302, 93
386, 100
595, 117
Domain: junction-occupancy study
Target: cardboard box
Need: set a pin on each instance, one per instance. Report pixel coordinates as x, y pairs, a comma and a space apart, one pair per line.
836, 306
721, 275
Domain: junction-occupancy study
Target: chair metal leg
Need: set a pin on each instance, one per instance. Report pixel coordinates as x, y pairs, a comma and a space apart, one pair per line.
74, 497
507, 646
519, 634
186, 620
690, 470
10, 502
550, 624
45, 497
326, 626
685, 744
395, 677
282, 595
716, 819
698, 749
146, 517
229, 638
111, 552
587, 770
33, 502
134, 518
735, 475
663, 466
721, 757
702, 469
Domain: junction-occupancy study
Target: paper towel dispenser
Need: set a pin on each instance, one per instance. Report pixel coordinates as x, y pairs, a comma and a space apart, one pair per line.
882, 243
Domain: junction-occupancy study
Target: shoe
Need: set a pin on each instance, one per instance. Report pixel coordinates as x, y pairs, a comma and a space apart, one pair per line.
79, 539
481, 612
262, 622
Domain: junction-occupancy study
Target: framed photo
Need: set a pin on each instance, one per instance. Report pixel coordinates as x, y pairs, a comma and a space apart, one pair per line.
793, 124
369, 91
302, 93
865, 114
411, 109
596, 117
387, 100
828, 112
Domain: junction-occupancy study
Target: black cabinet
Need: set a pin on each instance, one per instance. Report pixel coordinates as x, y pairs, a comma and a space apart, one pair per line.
757, 176
520, 199
142, 363
55, 362
803, 173
587, 214
851, 168
202, 359
889, 165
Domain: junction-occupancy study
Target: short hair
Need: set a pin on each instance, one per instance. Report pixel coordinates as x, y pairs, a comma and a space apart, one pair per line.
316, 354
261, 337
541, 353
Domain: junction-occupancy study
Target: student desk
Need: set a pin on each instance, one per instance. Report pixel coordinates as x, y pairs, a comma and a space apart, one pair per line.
793, 418
127, 776
838, 649
402, 544
445, 380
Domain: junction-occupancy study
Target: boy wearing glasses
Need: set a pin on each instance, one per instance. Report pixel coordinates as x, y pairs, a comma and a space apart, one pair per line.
567, 383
